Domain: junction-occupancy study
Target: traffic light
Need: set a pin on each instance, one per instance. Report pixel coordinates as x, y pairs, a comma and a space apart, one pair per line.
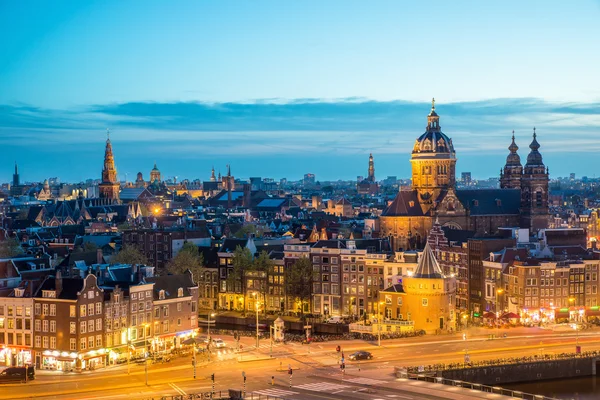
290, 371
212, 377
338, 349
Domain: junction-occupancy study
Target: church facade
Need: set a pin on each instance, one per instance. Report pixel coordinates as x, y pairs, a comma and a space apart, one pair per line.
522, 199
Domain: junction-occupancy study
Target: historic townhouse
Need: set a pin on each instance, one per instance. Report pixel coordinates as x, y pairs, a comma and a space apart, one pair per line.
175, 309
68, 323
16, 329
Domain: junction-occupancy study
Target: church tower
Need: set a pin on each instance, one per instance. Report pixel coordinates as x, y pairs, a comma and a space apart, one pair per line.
109, 188
213, 178
371, 176
433, 161
511, 176
534, 189
16, 179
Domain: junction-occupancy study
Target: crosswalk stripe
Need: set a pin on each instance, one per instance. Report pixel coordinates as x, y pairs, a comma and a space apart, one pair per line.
274, 392
366, 381
321, 387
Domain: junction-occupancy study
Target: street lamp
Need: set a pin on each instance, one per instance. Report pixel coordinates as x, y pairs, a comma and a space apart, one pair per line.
498, 292
379, 324
257, 308
146, 330
209, 321
194, 351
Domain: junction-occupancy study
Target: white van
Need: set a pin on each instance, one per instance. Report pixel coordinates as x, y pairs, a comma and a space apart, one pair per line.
336, 319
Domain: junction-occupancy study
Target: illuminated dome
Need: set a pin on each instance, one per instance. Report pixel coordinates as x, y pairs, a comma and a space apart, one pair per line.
433, 140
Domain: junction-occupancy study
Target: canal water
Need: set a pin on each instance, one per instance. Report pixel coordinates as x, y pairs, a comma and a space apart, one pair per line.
587, 388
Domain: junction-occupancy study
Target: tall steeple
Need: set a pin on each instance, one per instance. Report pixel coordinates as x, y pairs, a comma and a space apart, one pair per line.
511, 176
16, 179
213, 178
534, 189
109, 188
371, 177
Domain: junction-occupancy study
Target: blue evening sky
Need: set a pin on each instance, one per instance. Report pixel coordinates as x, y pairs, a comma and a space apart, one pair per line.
281, 88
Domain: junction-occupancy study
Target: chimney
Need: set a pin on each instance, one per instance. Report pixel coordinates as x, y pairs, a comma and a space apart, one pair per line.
58, 283
99, 256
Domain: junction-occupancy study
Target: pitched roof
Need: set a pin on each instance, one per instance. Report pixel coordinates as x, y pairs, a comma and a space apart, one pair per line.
170, 284
397, 288
428, 266
491, 201
405, 203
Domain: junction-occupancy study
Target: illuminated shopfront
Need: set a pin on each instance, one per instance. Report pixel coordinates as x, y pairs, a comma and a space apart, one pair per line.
15, 356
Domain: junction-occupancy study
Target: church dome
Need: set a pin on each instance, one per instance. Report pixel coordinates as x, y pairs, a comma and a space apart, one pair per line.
534, 158
513, 159
155, 169
433, 140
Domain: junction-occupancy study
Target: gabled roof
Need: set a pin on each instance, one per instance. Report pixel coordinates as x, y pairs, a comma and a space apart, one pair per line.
70, 287
428, 266
406, 203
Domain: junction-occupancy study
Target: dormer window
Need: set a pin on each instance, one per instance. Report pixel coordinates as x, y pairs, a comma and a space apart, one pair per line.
161, 295
180, 292
19, 292
49, 294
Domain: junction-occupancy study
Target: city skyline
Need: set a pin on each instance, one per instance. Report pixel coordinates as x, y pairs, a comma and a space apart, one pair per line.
331, 139
292, 88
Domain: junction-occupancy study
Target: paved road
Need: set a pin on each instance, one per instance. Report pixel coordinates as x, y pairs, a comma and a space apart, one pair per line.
316, 371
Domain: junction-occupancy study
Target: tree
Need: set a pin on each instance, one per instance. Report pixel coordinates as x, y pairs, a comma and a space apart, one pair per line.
188, 257
9, 248
129, 255
299, 281
247, 230
261, 266
241, 262
90, 246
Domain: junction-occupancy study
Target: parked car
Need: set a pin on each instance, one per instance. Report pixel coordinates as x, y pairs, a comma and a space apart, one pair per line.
360, 355
17, 374
336, 319
218, 343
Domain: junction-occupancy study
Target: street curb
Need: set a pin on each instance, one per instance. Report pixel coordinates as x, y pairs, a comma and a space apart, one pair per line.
256, 359
70, 392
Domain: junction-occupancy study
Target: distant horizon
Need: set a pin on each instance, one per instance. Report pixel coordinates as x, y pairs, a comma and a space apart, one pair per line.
331, 139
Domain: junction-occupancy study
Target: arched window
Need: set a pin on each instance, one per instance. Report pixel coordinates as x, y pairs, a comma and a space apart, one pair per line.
180, 292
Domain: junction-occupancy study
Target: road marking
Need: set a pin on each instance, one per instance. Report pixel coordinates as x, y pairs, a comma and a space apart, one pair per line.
366, 381
274, 392
400, 396
322, 387
178, 389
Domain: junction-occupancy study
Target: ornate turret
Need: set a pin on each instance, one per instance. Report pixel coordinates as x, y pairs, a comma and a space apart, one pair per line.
155, 175
534, 189
428, 266
109, 188
433, 161
510, 177
213, 178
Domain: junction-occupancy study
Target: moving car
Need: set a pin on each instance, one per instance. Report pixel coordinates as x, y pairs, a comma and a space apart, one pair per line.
218, 343
17, 374
360, 355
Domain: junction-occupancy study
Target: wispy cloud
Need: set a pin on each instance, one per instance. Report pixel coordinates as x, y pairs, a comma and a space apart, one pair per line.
304, 134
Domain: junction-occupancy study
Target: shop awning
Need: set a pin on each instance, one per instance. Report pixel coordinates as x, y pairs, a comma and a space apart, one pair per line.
592, 312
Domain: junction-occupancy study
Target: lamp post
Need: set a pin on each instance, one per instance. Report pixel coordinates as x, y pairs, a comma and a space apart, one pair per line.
194, 352
146, 334
257, 307
498, 292
379, 324
209, 321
